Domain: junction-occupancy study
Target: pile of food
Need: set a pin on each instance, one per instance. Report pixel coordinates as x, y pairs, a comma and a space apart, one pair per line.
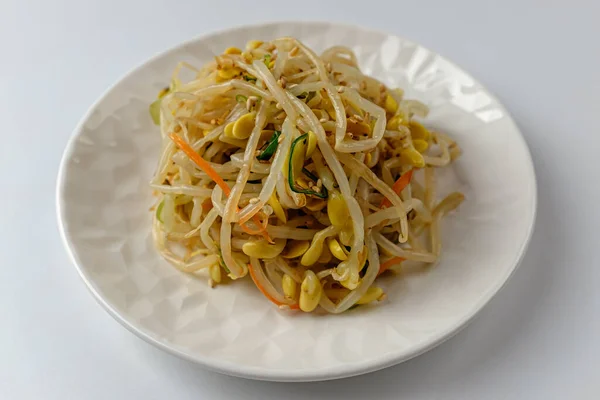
299, 171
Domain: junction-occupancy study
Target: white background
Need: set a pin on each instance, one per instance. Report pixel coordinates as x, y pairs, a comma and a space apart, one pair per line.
538, 339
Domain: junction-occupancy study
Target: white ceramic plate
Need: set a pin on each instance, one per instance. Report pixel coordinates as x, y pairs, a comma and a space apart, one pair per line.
103, 201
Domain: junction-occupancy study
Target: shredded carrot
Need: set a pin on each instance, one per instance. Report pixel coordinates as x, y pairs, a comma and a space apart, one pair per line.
398, 187
386, 265
205, 166
266, 294
200, 162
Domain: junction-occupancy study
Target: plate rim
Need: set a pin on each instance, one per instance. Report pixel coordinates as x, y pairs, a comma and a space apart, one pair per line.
299, 375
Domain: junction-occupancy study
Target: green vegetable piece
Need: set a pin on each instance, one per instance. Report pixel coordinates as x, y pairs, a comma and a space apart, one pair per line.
295, 165
270, 148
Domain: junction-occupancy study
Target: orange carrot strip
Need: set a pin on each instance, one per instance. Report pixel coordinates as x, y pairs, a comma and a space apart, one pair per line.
386, 265
205, 166
266, 293
398, 187
200, 162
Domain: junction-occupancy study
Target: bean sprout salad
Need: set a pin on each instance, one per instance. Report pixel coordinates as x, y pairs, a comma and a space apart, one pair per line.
299, 171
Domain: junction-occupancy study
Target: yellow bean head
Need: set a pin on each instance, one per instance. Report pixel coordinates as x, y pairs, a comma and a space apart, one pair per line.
242, 128
413, 157
337, 210
232, 50
343, 275
290, 287
336, 249
418, 131
391, 105
247, 56
313, 253
296, 248
310, 292
215, 273
420, 145
262, 249
277, 209
394, 122
347, 283
311, 145
372, 294
226, 74
229, 129
253, 44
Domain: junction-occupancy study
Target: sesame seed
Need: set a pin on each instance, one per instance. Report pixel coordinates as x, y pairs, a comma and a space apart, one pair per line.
279, 139
357, 117
294, 51
340, 89
323, 120
254, 200
279, 106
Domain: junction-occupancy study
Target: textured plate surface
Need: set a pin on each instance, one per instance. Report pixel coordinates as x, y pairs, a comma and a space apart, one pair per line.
103, 202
